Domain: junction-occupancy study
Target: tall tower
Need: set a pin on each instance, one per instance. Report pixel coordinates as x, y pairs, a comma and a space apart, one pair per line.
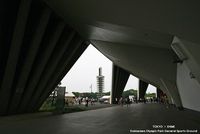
100, 83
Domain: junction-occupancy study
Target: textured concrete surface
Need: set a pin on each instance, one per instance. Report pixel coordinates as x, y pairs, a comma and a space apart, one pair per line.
111, 120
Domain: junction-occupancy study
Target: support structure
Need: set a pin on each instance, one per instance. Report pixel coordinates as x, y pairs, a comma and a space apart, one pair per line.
37, 51
159, 92
119, 80
14, 54
142, 89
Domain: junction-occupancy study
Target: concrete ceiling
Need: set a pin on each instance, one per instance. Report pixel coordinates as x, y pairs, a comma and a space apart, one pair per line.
116, 20
121, 29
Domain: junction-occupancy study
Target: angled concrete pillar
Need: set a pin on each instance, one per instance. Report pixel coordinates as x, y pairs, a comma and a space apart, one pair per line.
173, 92
159, 92
63, 45
166, 92
14, 52
162, 92
53, 33
71, 55
119, 80
8, 14
35, 42
142, 89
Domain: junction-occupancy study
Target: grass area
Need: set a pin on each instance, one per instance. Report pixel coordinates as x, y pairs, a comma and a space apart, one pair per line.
65, 110
49, 107
73, 108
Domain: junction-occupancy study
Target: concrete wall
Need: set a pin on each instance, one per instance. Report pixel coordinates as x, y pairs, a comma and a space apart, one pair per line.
189, 88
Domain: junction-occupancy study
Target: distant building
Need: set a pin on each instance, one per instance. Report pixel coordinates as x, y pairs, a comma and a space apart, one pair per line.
100, 83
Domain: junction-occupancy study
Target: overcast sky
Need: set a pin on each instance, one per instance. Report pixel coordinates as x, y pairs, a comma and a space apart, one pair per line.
83, 74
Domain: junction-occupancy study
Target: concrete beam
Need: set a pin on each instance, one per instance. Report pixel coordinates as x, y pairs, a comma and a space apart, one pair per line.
142, 89
49, 43
8, 16
159, 92
17, 39
29, 59
173, 91
68, 60
63, 45
119, 80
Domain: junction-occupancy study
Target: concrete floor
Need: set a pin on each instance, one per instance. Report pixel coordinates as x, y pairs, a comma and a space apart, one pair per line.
111, 120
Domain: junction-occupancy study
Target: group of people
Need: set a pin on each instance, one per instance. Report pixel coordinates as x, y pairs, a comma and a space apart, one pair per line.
124, 101
127, 101
80, 101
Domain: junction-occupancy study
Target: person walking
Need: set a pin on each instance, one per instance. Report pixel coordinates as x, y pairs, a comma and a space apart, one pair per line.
86, 99
121, 101
116, 101
127, 101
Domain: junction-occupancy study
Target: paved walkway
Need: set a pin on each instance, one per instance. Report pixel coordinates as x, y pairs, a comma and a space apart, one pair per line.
111, 120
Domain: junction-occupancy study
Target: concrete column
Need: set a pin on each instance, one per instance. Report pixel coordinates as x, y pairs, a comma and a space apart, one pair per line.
71, 55
52, 64
50, 41
173, 91
29, 58
119, 80
142, 89
159, 92
16, 43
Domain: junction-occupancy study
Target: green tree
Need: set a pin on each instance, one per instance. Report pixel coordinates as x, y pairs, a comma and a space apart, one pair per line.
151, 95
129, 92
